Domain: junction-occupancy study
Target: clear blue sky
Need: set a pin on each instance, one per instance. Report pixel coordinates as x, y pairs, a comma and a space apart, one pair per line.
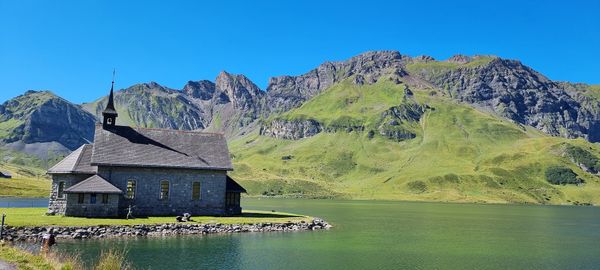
71, 47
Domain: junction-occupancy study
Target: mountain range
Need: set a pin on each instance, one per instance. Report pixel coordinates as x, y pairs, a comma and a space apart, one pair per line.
380, 125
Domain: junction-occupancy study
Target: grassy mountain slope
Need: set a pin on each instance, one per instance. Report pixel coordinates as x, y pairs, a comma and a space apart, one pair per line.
27, 181
15, 113
29, 177
458, 154
41, 123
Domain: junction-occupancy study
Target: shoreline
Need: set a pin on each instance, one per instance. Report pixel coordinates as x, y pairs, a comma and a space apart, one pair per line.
259, 197
34, 233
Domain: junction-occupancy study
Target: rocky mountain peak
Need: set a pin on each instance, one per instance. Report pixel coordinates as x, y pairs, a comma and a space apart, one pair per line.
203, 90
240, 90
423, 59
40, 119
24, 104
515, 91
33, 92
376, 56
153, 88
459, 59
286, 92
228, 81
152, 85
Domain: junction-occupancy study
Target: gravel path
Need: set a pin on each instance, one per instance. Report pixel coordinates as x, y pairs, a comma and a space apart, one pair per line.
5, 266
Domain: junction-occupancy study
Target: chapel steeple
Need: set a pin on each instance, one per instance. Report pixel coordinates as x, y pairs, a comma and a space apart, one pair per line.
110, 113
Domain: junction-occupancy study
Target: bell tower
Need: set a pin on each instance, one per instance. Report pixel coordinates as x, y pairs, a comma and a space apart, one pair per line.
110, 113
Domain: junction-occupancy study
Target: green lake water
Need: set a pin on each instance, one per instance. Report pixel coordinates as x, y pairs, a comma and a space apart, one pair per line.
384, 235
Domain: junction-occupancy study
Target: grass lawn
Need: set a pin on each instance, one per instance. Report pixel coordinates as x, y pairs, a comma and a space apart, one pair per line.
36, 217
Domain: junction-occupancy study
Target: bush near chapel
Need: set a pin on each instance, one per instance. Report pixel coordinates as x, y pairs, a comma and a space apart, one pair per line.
558, 175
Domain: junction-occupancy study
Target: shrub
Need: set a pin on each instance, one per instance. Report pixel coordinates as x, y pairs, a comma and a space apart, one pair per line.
417, 186
583, 157
561, 176
346, 122
452, 178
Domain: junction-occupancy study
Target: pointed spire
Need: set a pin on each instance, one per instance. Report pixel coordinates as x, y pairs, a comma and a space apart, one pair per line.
110, 113
110, 106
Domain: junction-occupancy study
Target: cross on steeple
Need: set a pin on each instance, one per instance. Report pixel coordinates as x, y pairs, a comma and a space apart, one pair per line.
110, 113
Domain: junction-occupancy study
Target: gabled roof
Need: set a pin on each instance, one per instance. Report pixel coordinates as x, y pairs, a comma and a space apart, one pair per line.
162, 148
76, 162
94, 184
233, 186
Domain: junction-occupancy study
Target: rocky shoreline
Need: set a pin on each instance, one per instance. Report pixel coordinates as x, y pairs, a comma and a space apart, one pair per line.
170, 229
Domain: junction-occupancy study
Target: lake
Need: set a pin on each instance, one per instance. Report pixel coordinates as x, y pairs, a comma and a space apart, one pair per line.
384, 235
7, 202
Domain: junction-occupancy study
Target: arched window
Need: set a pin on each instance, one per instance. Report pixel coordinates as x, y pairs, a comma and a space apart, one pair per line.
196, 191
61, 190
164, 190
130, 189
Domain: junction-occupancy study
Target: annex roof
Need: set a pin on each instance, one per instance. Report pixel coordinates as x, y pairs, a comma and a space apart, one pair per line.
94, 184
233, 186
76, 162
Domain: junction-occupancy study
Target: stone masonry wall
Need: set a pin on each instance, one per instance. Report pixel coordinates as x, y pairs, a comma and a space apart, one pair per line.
147, 201
88, 209
57, 205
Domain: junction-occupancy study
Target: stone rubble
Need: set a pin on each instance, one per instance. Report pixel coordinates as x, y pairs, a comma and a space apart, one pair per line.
169, 229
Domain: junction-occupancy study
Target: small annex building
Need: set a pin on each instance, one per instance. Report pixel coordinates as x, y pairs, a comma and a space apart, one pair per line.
155, 172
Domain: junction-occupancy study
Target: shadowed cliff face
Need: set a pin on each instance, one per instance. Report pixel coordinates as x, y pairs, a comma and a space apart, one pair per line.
203, 90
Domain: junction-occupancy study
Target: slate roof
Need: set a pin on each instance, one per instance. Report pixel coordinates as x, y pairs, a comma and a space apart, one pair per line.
162, 148
76, 162
233, 186
94, 184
